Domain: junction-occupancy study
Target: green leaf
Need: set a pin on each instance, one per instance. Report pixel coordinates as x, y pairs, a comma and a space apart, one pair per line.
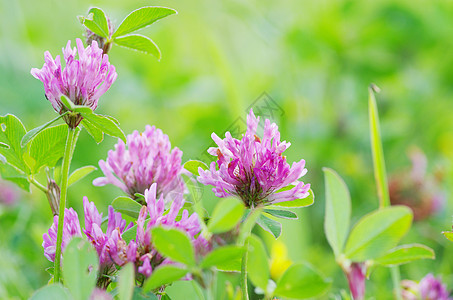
80, 173
32, 133
3, 145
233, 265
48, 147
126, 205
307, 201
92, 130
249, 222
404, 254
105, 124
130, 234
141, 18
271, 226
163, 275
11, 132
227, 213
139, 294
57, 173
113, 119
380, 173
79, 258
222, 255
50, 270
338, 211
126, 282
193, 165
174, 244
10, 173
257, 263
448, 235
52, 291
378, 232
140, 43
194, 196
30, 162
67, 103
97, 22
278, 213
82, 109
300, 282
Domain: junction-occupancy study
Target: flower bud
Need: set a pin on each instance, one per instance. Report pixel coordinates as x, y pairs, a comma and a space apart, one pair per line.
53, 195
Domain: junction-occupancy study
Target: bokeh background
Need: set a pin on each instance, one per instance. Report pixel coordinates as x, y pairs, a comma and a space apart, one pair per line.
314, 59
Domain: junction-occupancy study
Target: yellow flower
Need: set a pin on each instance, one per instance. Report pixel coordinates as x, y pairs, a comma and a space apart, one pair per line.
279, 259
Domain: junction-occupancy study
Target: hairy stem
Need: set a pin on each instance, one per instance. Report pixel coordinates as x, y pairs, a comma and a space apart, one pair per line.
70, 142
245, 293
246, 230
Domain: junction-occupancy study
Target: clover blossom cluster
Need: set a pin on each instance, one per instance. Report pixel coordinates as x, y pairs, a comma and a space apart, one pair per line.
147, 158
112, 248
141, 251
71, 228
429, 288
82, 80
94, 233
254, 168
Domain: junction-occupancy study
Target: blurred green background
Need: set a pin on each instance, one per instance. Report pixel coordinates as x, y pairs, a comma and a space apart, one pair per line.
315, 59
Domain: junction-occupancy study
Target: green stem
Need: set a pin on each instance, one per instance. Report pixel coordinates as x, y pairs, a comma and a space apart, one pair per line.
244, 233
396, 278
245, 293
70, 142
211, 292
38, 185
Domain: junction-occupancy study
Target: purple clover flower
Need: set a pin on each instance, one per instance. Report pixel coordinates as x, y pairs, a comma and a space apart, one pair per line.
100, 294
254, 168
8, 194
82, 80
432, 288
141, 251
94, 233
71, 228
147, 158
416, 188
110, 246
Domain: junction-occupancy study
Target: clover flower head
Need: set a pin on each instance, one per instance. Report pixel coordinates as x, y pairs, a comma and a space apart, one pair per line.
8, 194
82, 80
432, 288
141, 251
71, 228
147, 158
94, 233
419, 190
254, 168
